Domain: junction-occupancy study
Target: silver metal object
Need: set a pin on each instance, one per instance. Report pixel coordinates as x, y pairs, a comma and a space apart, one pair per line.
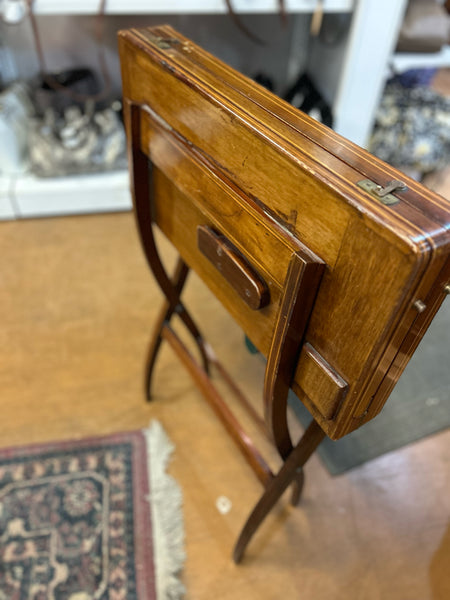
419, 306
392, 186
383, 194
79, 141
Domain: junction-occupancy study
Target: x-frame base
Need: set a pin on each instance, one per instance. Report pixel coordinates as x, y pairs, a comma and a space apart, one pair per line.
291, 472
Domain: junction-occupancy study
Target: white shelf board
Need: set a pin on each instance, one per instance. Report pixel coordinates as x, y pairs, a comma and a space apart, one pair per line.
79, 194
6, 206
402, 62
129, 7
365, 64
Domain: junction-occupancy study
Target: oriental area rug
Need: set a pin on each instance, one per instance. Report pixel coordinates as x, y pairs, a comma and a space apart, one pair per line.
91, 519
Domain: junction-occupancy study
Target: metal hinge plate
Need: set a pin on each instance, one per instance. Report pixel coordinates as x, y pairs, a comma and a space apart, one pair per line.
383, 194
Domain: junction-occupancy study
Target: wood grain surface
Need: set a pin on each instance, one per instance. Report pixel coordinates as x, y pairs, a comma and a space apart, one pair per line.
234, 268
227, 154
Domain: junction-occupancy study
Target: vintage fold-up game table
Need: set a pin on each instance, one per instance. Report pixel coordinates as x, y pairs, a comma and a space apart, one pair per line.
331, 261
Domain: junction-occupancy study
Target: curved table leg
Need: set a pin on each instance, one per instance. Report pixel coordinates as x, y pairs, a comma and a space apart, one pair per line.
178, 280
297, 486
298, 457
142, 198
187, 320
302, 281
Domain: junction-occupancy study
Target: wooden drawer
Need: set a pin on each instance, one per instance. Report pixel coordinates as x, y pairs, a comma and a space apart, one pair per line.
188, 193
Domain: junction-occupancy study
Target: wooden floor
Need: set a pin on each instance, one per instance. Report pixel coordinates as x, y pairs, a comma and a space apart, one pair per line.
76, 303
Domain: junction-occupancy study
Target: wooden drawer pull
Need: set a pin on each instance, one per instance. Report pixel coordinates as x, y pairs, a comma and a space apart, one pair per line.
234, 267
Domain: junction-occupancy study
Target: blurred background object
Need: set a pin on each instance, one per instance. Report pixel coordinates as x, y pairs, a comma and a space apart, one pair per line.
425, 28
15, 110
412, 127
330, 58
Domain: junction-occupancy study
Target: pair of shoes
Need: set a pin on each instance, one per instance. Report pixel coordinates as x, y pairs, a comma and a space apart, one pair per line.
305, 96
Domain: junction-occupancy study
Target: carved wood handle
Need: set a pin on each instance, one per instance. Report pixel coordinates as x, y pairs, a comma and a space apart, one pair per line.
234, 267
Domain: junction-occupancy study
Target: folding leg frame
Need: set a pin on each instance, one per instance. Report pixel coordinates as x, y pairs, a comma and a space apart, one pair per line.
294, 313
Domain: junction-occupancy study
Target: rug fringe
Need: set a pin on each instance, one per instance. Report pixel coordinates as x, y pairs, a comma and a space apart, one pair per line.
167, 517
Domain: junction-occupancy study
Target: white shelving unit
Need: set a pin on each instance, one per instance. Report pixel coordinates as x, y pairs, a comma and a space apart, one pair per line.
6, 205
24, 196
401, 62
351, 77
372, 39
138, 7
82, 194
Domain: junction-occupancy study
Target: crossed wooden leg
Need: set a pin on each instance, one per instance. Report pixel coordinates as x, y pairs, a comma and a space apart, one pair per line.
171, 287
275, 394
275, 488
172, 305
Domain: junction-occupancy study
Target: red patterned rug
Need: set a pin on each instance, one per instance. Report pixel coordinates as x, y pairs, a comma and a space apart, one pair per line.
92, 519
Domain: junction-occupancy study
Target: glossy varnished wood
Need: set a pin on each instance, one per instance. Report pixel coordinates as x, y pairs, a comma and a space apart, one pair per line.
302, 282
227, 151
326, 389
235, 269
275, 488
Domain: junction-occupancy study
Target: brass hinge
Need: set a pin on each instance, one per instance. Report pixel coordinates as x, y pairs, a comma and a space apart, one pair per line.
383, 194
